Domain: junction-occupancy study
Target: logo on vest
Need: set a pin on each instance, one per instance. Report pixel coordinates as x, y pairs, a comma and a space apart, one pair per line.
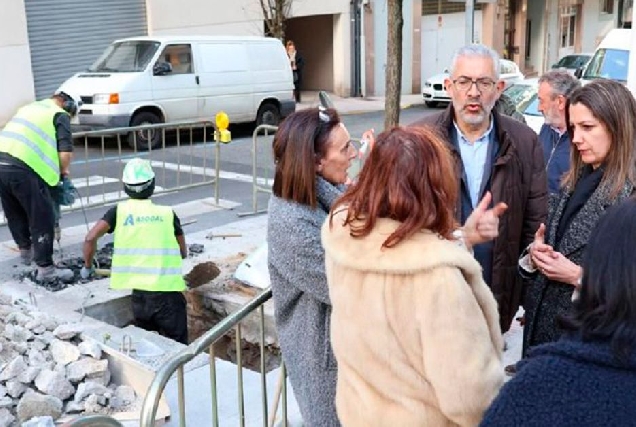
142, 219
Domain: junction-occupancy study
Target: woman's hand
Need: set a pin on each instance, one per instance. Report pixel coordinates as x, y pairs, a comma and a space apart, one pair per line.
483, 224
555, 266
368, 142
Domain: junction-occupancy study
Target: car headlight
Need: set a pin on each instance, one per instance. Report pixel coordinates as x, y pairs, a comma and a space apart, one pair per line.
427, 84
106, 98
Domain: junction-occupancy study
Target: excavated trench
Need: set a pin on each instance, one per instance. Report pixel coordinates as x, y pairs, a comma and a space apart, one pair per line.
118, 311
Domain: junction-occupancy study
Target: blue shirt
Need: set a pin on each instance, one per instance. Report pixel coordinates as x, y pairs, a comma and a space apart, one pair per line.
474, 155
556, 151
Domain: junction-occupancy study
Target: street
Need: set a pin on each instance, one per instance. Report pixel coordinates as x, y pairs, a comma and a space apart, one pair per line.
181, 163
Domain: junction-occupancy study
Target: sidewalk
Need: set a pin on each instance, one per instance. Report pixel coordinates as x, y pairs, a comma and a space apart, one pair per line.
309, 99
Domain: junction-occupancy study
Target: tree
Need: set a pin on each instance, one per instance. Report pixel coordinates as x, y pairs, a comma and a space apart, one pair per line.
275, 13
394, 64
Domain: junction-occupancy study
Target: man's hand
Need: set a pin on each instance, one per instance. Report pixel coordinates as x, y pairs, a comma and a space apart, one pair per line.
483, 224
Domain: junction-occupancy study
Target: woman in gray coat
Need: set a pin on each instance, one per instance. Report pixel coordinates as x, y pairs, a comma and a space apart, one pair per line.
602, 125
312, 151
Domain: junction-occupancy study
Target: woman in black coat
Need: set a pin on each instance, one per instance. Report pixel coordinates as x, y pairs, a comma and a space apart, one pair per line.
602, 126
588, 377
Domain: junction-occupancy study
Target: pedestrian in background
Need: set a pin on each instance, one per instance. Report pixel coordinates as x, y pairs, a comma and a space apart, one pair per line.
36, 149
554, 89
297, 64
497, 154
148, 248
602, 120
414, 327
588, 377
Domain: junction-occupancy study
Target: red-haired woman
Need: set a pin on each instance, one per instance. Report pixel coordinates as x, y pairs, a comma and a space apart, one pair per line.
414, 327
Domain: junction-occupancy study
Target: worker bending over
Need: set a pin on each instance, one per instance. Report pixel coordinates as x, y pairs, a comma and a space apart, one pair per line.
36, 149
148, 250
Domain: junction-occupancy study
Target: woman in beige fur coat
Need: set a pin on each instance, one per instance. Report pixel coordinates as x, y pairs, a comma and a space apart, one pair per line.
414, 327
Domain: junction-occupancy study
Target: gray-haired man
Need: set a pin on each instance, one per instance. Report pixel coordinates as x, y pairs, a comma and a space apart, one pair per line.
498, 154
554, 89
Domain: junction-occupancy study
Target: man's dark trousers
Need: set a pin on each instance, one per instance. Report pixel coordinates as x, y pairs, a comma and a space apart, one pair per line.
28, 207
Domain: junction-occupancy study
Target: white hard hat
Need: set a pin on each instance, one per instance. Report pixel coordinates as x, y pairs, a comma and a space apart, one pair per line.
137, 171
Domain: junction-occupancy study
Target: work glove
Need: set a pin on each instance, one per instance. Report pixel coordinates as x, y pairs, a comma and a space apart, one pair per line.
66, 192
86, 272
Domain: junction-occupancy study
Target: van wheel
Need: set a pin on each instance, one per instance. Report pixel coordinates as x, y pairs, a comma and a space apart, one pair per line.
268, 114
148, 137
431, 104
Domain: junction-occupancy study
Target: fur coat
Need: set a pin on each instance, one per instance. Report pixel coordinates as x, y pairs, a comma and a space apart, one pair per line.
414, 329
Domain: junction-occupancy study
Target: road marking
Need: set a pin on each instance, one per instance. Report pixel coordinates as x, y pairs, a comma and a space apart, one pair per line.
75, 234
198, 170
93, 180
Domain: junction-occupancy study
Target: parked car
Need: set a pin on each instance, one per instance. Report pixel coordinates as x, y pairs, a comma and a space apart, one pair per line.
434, 92
149, 80
611, 58
572, 62
523, 95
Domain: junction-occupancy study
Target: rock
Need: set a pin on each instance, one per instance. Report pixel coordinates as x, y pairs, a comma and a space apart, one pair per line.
38, 405
45, 338
21, 347
102, 378
3, 391
6, 419
64, 352
29, 374
90, 348
73, 407
68, 331
40, 422
37, 358
46, 320
77, 371
6, 300
18, 318
92, 404
6, 402
124, 396
54, 384
17, 333
15, 388
13, 369
87, 388
38, 345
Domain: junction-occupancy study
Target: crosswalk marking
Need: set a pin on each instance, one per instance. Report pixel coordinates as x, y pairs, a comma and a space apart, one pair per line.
198, 170
75, 234
93, 180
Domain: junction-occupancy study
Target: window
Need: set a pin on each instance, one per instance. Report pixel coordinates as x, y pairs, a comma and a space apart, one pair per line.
607, 6
125, 57
568, 26
179, 56
608, 64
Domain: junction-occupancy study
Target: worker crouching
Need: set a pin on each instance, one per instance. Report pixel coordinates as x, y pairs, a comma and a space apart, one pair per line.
148, 250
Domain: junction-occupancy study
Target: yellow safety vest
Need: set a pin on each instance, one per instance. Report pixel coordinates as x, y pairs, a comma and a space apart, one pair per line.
30, 136
146, 252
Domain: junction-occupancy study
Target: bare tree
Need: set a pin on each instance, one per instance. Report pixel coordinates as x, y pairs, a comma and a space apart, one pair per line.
394, 64
275, 13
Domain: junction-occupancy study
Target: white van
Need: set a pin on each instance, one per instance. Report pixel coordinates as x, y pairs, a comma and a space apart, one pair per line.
611, 58
147, 80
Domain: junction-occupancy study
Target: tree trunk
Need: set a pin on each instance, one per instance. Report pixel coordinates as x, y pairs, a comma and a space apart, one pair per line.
393, 64
275, 12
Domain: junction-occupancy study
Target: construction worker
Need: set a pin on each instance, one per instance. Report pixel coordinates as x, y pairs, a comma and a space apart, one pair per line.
148, 248
36, 149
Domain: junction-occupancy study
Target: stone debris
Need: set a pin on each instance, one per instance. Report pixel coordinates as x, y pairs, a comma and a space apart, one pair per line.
47, 372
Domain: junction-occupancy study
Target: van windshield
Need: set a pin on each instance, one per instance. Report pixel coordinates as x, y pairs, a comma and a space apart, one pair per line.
125, 57
608, 64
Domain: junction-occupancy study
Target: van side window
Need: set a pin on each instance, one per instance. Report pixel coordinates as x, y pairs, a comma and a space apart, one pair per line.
179, 56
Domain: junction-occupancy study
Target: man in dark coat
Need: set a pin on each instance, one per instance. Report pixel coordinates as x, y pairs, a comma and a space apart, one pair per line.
498, 154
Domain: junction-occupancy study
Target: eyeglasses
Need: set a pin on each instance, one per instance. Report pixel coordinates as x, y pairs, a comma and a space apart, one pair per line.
483, 84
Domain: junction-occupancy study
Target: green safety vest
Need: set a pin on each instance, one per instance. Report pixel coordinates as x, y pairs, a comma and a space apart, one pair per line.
30, 136
146, 252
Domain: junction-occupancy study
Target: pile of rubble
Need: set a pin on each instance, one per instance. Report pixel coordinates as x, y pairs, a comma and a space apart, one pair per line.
46, 370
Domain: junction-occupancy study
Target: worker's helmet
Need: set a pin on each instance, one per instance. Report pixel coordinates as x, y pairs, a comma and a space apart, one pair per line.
70, 103
138, 179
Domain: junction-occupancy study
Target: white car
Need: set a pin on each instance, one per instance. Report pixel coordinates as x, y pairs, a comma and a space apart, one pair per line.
434, 92
523, 95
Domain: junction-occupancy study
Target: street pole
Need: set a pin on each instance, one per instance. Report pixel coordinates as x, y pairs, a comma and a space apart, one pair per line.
470, 21
631, 70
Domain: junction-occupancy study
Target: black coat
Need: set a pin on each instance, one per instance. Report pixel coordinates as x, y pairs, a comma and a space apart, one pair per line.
545, 300
567, 383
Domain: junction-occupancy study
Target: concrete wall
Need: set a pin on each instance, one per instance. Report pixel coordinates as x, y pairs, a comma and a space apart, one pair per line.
595, 25
380, 46
16, 78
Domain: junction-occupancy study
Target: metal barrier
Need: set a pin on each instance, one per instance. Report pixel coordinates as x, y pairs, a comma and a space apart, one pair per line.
206, 342
259, 184
169, 157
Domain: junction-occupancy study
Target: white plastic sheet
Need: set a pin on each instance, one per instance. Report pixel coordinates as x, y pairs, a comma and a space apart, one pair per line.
253, 270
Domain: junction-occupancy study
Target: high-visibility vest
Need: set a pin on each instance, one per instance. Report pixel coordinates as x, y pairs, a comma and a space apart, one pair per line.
30, 136
146, 252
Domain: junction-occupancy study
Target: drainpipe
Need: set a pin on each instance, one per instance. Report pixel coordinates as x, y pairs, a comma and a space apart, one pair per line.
356, 50
470, 21
363, 53
631, 70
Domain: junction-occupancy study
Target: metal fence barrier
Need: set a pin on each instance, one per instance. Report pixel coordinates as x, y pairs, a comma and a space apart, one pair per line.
260, 184
206, 342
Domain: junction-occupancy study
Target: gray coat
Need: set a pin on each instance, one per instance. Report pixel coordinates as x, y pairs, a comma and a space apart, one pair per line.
301, 301
545, 300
